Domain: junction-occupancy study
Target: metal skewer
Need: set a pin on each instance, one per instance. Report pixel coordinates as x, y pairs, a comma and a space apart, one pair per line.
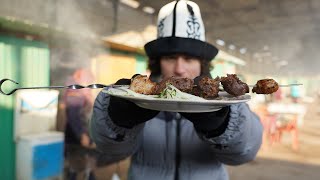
288, 85
91, 86
73, 86
284, 85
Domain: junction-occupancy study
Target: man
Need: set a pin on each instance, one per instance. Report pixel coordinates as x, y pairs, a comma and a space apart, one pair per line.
79, 149
166, 145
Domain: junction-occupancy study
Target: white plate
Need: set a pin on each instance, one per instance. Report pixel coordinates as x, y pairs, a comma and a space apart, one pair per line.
179, 105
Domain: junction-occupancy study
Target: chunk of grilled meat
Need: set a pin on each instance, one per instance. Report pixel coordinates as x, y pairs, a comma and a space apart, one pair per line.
143, 85
233, 85
265, 86
206, 87
183, 84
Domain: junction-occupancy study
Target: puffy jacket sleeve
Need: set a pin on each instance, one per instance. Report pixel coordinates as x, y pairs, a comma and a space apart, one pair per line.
242, 138
114, 142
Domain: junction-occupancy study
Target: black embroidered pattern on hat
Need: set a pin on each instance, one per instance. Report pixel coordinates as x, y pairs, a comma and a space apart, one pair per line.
186, 36
160, 28
193, 25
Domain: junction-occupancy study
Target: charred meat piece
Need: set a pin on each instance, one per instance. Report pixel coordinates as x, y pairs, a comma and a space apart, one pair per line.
143, 85
233, 85
183, 84
265, 86
206, 87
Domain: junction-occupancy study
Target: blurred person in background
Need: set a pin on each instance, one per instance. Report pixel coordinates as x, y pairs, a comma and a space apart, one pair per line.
168, 145
278, 95
79, 148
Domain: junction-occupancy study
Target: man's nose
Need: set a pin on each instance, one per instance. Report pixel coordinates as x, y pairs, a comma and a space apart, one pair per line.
179, 66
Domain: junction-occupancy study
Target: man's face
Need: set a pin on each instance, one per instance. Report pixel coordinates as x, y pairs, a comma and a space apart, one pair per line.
180, 65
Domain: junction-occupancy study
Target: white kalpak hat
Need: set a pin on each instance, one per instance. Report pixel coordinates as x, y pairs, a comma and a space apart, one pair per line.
180, 30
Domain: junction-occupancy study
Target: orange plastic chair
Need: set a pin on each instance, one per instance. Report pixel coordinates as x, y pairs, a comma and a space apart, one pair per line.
291, 127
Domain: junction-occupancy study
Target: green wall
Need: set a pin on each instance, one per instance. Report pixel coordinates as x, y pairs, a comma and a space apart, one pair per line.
26, 62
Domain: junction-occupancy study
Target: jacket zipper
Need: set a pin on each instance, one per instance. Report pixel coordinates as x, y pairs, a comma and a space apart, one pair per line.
176, 174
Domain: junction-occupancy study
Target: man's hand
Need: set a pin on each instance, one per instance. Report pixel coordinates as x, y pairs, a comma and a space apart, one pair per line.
125, 113
85, 140
210, 123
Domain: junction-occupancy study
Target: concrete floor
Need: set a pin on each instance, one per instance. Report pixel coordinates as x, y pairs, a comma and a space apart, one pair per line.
280, 162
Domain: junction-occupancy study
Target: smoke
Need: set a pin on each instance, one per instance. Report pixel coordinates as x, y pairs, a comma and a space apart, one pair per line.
78, 41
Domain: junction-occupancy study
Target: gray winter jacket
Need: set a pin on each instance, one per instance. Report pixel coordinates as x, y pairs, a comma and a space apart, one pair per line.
153, 144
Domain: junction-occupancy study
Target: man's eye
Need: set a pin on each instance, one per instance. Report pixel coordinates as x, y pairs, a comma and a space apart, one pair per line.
189, 59
169, 58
